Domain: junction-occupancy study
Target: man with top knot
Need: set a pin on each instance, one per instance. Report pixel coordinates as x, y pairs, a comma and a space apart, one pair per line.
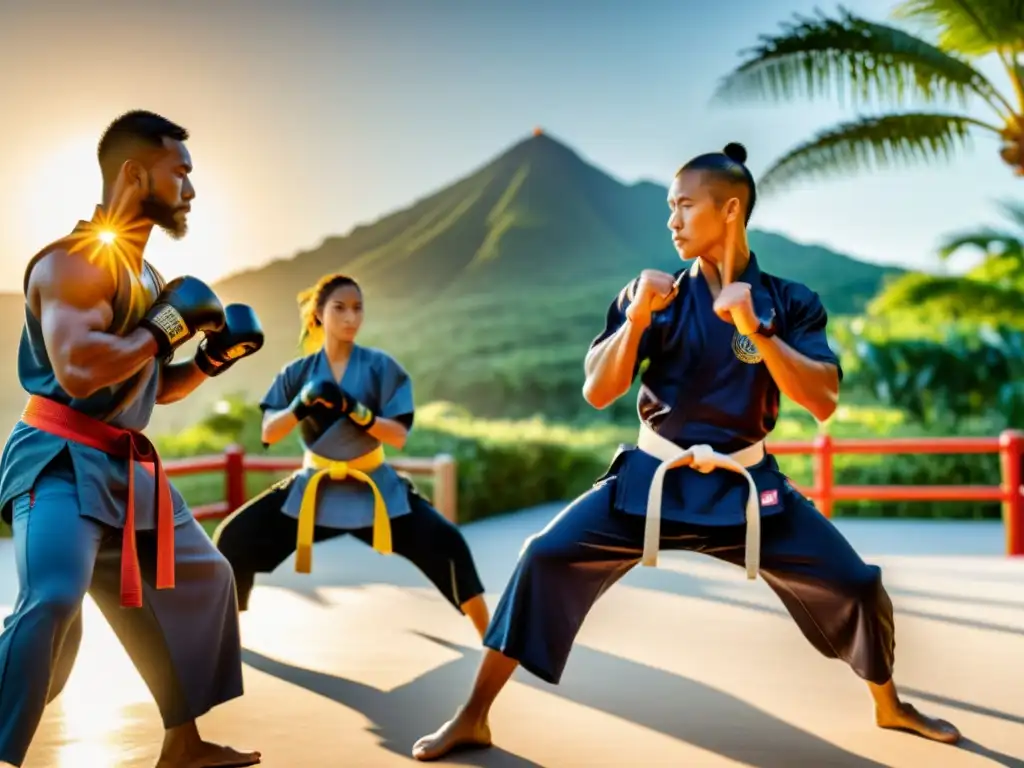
722, 340
87, 498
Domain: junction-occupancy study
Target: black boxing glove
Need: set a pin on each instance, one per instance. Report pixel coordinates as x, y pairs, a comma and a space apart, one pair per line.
357, 413
240, 337
317, 397
184, 307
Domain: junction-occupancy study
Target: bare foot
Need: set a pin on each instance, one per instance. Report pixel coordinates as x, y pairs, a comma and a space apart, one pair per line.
461, 732
206, 755
907, 718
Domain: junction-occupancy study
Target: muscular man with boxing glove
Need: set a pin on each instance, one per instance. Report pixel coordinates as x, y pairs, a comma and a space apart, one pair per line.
100, 329
184, 307
229, 334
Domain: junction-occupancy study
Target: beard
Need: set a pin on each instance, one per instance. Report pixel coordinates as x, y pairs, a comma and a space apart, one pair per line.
162, 214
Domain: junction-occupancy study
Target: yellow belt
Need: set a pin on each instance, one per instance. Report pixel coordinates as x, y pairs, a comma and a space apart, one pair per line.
355, 469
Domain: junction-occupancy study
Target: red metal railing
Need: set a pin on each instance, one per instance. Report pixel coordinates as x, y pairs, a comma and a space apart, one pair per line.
824, 492
1009, 445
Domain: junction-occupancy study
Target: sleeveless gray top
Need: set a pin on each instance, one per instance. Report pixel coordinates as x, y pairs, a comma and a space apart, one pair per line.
102, 480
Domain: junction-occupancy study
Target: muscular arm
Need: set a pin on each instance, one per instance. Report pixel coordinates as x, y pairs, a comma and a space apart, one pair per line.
178, 381
611, 365
72, 299
810, 384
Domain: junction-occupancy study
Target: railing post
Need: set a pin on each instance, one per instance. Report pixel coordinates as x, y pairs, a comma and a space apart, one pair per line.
823, 478
1011, 452
234, 477
446, 487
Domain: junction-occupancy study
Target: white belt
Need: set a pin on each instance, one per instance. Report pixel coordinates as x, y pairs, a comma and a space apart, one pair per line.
703, 459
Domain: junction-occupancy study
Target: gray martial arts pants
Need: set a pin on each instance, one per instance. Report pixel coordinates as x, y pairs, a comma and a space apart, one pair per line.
184, 641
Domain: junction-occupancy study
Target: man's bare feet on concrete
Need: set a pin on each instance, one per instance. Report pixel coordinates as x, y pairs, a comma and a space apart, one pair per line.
905, 717
202, 754
461, 732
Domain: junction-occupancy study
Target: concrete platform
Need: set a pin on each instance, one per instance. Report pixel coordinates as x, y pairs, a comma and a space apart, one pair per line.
687, 665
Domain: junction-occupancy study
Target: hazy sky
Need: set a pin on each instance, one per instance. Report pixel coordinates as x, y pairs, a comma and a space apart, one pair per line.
311, 117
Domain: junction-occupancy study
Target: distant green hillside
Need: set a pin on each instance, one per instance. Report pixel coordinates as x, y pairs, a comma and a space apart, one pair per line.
536, 214
490, 290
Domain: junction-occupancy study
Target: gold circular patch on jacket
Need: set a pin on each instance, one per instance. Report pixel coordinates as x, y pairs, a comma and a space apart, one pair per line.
744, 349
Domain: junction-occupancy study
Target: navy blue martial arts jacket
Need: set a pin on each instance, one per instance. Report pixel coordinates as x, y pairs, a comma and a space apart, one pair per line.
705, 383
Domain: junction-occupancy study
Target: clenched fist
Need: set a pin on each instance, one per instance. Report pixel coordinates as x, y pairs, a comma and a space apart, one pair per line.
735, 305
653, 291
319, 397
241, 336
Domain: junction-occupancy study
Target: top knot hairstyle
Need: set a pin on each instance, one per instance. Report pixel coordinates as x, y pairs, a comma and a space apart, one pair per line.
735, 152
729, 166
311, 306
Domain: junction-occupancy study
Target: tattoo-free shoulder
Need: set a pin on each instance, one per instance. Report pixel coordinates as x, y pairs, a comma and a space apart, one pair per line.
74, 279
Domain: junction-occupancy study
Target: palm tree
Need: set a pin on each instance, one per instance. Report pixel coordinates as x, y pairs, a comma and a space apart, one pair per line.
1003, 248
990, 293
943, 347
872, 62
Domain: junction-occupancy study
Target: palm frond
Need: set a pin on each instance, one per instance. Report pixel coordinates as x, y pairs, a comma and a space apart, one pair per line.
1014, 212
873, 143
969, 27
813, 57
1016, 71
987, 240
954, 299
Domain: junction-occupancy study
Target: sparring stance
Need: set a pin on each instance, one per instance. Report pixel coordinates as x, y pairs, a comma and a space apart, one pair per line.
722, 340
348, 401
84, 491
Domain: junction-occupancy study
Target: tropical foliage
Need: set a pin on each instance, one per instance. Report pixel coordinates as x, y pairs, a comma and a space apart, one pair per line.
968, 374
902, 76
946, 349
991, 293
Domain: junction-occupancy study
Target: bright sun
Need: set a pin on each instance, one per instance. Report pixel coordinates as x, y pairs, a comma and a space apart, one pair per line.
65, 186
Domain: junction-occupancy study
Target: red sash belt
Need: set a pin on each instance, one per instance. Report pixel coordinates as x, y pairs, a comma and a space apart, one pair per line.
63, 421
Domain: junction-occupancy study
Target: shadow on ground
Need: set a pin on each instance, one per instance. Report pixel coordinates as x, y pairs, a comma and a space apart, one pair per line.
724, 724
